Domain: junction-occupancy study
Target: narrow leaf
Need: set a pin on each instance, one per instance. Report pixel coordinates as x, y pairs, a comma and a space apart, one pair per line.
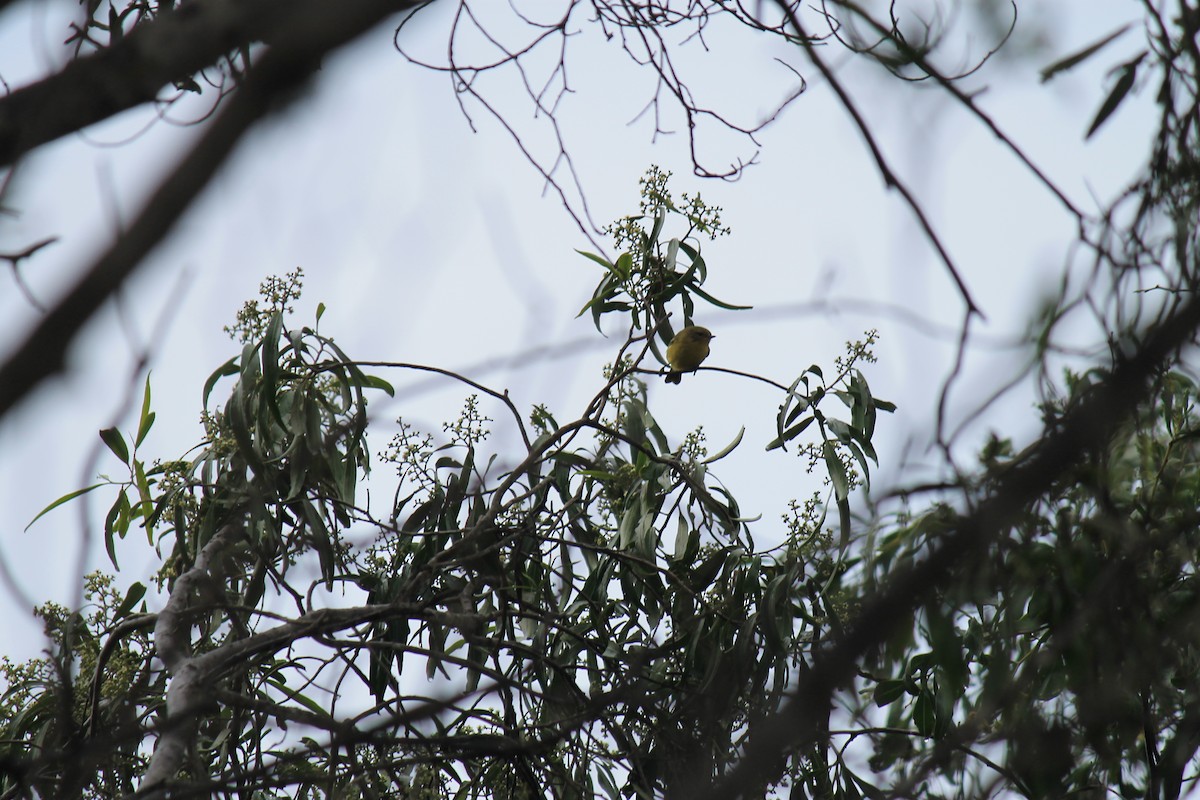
683, 537
790, 433
719, 303
1119, 91
143, 487
727, 449
135, 593
598, 259
1077, 58
923, 714
66, 498
146, 417
116, 442
660, 217
888, 692
230, 367
376, 382
672, 255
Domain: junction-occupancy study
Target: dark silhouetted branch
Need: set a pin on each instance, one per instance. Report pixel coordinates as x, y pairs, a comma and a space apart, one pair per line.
1089, 425
315, 28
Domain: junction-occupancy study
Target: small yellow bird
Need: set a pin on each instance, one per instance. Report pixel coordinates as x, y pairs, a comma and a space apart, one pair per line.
687, 351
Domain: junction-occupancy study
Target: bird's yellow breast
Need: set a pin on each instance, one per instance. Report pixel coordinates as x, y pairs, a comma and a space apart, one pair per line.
689, 348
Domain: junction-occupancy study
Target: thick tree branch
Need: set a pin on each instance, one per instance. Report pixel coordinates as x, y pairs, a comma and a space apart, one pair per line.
314, 28
188, 690
191, 688
173, 46
1088, 425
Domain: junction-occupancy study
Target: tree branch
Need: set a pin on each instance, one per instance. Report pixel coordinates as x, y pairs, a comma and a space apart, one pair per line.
890, 178
1090, 424
173, 46
187, 692
314, 28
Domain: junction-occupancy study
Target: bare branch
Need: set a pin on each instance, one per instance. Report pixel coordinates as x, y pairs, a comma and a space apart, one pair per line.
170, 48
315, 28
889, 176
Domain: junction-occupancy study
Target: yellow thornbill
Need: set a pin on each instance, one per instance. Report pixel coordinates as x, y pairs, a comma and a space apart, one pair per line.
687, 351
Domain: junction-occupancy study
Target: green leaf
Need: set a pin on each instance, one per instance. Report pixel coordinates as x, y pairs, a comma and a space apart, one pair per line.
862, 405
660, 217
1077, 58
602, 300
888, 692
727, 449
147, 423
66, 498
598, 259
634, 424
923, 715
375, 382
840, 429
135, 593
857, 452
239, 425
718, 303
146, 418
692, 252
706, 571
687, 540
1120, 90
628, 526
790, 433
116, 443
672, 255
624, 266
870, 790
143, 487
230, 367
841, 489
836, 470
280, 684
693, 276
803, 403
647, 539
270, 355
921, 662
868, 422
322, 540
947, 647
605, 777
650, 425
849, 789
116, 524
430, 509
843, 507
